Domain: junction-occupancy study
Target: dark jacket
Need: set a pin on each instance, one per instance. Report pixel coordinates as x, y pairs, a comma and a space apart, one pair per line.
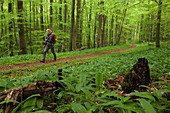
49, 38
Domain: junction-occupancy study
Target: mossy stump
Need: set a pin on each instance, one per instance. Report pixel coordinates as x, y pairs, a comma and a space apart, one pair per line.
138, 75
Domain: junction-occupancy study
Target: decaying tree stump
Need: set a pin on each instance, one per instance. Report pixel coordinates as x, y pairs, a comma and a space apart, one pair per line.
138, 75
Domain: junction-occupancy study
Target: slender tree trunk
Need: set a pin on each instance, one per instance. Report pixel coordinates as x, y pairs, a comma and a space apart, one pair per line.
41, 16
37, 21
60, 27
2, 17
111, 32
116, 27
10, 10
21, 37
51, 14
72, 26
64, 29
149, 26
158, 24
30, 41
141, 29
125, 34
81, 24
94, 37
119, 36
88, 39
78, 25
103, 33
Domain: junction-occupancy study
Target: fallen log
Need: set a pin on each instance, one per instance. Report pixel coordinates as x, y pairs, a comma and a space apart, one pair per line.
44, 88
81, 49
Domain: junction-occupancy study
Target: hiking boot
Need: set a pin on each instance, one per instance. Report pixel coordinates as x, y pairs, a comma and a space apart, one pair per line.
43, 61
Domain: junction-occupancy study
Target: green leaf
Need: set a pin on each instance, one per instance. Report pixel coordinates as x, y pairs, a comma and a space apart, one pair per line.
98, 79
14, 110
146, 106
40, 103
30, 102
114, 102
144, 95
42, 111
27, 109
6, 101
1, 110
78, 108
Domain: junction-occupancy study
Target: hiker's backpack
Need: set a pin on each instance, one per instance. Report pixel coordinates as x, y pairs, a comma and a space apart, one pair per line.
54, 39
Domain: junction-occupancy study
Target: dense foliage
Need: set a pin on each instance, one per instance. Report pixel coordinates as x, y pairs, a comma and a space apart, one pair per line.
80, 95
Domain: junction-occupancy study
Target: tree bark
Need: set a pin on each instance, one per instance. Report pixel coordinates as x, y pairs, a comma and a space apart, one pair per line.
88, 39
138, 75
64, 29
51, 14
72, 26
21, 37
41, 16
77, 30
10, 10
30, 41
60, 27
141, 29
116, 27
158, 24
111, 32
103, 32
94, 37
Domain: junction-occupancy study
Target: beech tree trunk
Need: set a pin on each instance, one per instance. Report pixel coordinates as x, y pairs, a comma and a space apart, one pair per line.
158, 24
64, 29
115, 40
72, 26
21, 36
10, 10
51, 14
88, 39
41, 17
77, 30
111, 32
94, 37
60, 27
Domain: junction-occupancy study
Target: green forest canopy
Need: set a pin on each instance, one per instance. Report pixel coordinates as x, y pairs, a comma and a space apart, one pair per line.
78, 23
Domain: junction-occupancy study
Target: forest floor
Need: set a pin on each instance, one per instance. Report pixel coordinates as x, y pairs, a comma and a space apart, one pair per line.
23, 65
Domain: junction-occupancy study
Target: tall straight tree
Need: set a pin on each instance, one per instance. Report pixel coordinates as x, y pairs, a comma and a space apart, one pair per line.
158, 23
116, 28
72, 26
94, 36
64, 29
99, 27
30, 41
10, 10
111, 32
2, 16
78, 24
41, 16
103, 32
88, 39
51, 13
21, 36
60, 27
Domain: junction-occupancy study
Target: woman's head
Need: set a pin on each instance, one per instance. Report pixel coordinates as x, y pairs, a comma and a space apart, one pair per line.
48, 31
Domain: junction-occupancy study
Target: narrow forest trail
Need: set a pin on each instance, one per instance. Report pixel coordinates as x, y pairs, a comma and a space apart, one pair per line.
23, 65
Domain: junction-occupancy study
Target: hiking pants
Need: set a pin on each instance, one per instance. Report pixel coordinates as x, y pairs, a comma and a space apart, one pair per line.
49, 46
